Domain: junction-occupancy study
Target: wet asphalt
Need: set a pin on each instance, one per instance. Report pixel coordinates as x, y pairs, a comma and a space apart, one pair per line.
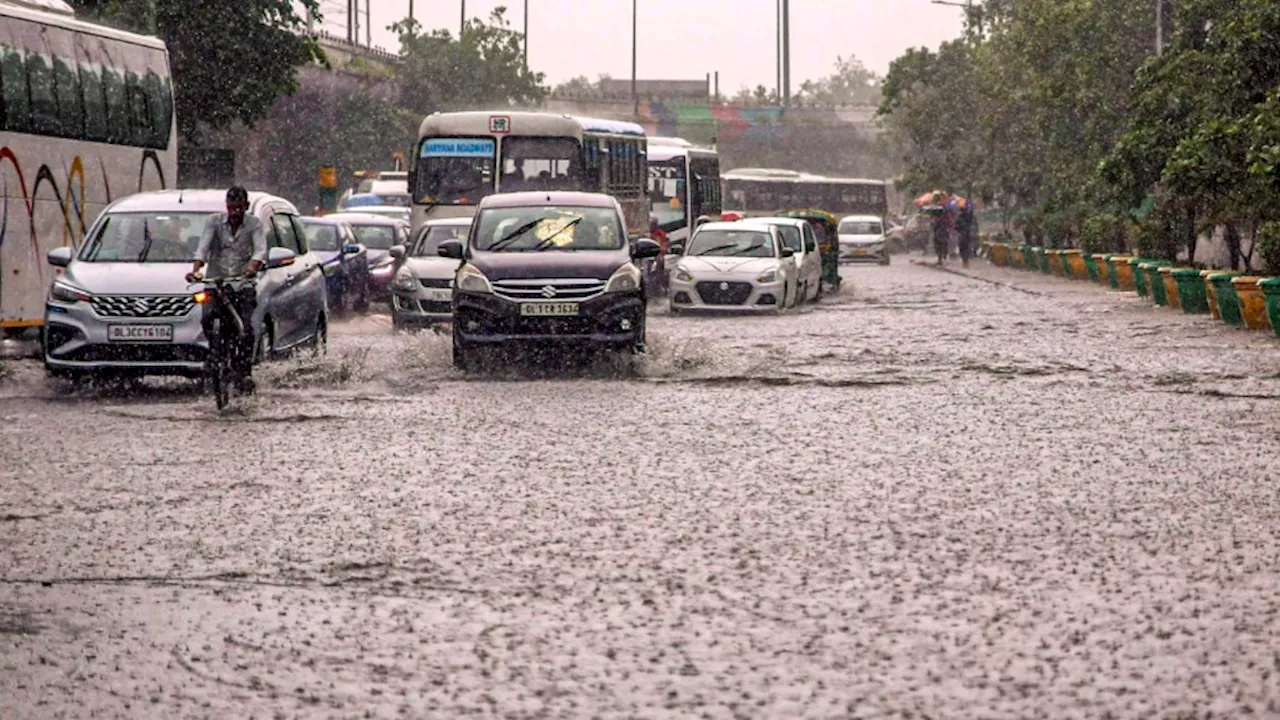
987, 494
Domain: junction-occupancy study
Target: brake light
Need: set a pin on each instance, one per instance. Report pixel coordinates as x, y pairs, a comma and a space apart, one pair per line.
202, 297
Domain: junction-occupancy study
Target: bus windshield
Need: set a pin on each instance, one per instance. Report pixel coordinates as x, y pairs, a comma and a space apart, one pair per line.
455, 171
540, 163
667, 180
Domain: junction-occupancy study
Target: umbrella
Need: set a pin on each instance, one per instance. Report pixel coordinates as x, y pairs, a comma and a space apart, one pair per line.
957, 202
936, 197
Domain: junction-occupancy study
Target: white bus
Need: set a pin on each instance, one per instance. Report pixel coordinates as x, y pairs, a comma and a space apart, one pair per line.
87, 118
684, 184
765, 191
462, 157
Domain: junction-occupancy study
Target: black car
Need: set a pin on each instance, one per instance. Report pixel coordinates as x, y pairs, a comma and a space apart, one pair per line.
548, 269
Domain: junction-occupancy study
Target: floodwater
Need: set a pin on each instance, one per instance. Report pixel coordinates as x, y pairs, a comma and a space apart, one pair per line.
980, 495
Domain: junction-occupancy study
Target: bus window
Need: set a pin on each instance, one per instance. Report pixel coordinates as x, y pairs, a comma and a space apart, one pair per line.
455, 171
541, 163
17, 103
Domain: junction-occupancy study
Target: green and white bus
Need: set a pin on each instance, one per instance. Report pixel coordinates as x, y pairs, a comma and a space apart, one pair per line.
684, 184
764, 191
462, 157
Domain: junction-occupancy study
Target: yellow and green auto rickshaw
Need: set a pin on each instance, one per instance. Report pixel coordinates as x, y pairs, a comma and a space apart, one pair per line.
825, 228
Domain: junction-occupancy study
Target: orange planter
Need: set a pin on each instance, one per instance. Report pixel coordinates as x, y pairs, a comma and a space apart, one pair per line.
1170, 286
1253, 304
1076, 267
1124, 272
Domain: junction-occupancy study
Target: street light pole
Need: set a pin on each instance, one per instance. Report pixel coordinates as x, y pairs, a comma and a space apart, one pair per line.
526, 35
635, 98
786, 53
462, 25
777, 36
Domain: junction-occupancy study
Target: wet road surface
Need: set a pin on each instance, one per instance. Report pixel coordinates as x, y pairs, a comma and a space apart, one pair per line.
993, 495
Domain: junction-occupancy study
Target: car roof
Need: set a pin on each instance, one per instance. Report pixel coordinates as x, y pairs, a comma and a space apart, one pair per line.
358, 218
877, 218
555, 197
752, 224
322, 220
461, 221
212, 200
796, 222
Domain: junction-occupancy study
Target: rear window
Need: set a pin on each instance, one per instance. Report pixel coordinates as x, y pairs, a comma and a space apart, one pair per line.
861, 227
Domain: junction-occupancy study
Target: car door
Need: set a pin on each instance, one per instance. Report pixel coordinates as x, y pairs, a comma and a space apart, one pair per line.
788, 267
281, 313
812, 259
306, 287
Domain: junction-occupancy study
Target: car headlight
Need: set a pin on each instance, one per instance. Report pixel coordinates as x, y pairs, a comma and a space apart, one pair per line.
683, 275
470, 279
63, 292
624, 279
768, 276
405, 281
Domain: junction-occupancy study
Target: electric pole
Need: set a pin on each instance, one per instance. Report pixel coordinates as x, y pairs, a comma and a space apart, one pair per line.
526, 35
786, 52
635, 98
463, 24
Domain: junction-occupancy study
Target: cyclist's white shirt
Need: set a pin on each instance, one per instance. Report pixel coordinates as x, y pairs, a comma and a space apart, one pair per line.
227, 254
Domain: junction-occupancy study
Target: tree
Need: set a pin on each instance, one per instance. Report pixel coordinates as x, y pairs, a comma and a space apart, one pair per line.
483, 66
851, 84
230, 61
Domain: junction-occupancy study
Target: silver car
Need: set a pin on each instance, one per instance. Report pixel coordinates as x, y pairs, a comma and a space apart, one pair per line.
798, 235
734, 266
122, 302
422, 289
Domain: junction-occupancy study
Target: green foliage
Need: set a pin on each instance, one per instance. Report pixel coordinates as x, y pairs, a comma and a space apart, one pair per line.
484, 66
1267, 246
1101, 232
851, 84
230, 61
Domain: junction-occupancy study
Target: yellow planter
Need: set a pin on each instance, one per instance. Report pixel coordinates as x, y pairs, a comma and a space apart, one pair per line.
1124, 272
1210, 294
1056, 262
1253, 304
1076, 268
1170, 286
1019, 256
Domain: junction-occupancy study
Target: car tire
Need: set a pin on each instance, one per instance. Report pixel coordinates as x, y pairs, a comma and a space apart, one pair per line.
885, 261
319, 343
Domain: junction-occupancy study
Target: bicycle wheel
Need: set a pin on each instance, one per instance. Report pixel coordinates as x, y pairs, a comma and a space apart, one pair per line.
219, 366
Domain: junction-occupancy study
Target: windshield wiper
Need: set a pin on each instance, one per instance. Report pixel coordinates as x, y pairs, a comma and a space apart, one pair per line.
717, 249
146, 237
547, 243
510, 237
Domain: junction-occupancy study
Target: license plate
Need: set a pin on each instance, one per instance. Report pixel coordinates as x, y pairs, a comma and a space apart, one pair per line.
140, 333
549, 309
438, 295
860, 251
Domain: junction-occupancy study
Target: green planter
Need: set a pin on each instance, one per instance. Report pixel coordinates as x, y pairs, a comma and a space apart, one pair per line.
1191, 295
1271, 288
1228, 301
1029, 260
1139, 277
1155, 282
1091, 267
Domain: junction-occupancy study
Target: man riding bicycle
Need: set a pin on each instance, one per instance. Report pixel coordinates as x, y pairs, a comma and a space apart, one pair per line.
234, 244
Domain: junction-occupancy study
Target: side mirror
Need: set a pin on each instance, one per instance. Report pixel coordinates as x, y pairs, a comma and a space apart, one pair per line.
788, 252
397, 252
645, 248
278, 257
675, 250
351, 248
452, 249
60, 257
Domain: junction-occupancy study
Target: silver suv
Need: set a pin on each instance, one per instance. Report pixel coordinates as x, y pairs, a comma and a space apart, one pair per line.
122, 302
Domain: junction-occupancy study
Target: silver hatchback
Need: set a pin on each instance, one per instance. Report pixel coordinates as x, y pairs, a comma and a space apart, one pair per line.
122, 302
422, 289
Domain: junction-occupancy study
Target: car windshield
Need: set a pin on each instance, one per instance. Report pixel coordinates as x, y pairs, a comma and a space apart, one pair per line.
455, 171
376, 237
323, 238
159, 237
430, 238
791, 237
549, 227
737, 243
861, 227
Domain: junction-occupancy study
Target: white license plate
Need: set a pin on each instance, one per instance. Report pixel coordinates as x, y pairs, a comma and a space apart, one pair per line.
549, 309
140, 333
438, 295
860, 251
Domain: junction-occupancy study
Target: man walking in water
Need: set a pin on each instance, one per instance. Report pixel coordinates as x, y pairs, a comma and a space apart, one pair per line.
966, 230
941, 237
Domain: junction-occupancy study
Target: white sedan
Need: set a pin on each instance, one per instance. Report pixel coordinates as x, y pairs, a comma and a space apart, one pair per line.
738, 266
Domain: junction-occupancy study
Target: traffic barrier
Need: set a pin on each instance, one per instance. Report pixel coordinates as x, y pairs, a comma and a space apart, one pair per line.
1225, 295
1170, 286
1270, 288
1253, 304
1189, 286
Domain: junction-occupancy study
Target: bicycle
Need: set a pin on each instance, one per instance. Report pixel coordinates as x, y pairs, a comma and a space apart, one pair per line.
220, 362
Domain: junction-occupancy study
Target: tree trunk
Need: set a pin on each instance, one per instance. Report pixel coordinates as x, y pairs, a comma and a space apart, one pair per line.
1233, 245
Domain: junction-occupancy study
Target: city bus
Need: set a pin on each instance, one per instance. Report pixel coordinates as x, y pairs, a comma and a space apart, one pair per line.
684, 183
462, 157
87, 117
765, 191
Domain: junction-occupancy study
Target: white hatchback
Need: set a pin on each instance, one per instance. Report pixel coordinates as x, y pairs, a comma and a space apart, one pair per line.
862, 239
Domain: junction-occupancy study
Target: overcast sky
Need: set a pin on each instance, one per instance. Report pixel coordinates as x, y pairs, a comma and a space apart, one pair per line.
686, 39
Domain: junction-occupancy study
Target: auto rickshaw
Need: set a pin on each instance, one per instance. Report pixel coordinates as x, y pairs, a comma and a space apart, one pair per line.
825, 228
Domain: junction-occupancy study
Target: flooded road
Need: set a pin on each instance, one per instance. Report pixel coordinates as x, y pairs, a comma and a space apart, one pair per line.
992, 495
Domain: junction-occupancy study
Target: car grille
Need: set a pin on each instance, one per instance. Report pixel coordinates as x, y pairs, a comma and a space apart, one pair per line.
724, 293
548, 289
434, 283
142, 306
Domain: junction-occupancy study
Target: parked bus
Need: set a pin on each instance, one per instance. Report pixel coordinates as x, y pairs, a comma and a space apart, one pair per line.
87, 117
462, 157
765, 191
684, 184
